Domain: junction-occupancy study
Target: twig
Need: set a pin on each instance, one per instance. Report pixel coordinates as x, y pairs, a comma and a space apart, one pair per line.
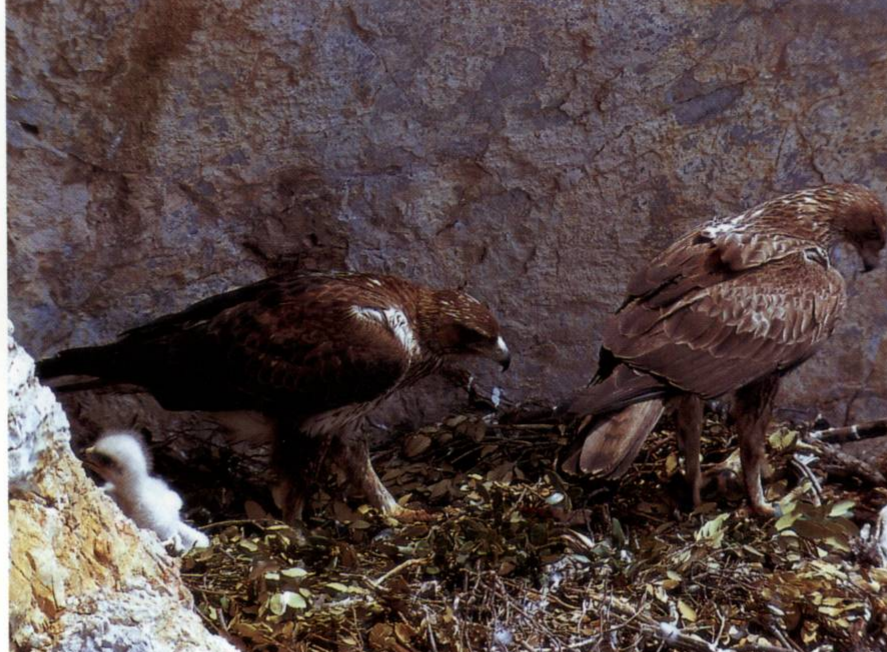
244, 521
674, 638
876, 428
848, 463
625, 623
875, 545
409, 562
805, 470
523, 426
431, 637
784, 639
722, 627
210, 591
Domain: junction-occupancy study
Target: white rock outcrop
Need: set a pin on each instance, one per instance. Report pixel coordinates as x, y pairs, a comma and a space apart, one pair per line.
82, 577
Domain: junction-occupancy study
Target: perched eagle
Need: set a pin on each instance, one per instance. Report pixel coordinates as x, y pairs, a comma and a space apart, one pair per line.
730, 307
308, 353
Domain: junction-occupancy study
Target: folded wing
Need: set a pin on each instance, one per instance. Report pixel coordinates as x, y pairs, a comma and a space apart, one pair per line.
719, 334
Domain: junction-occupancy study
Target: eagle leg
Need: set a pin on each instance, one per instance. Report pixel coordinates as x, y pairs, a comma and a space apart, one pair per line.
355, 458
290, 496
297, 459
751, 414
689, 413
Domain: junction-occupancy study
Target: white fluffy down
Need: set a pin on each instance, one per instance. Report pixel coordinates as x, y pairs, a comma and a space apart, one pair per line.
148, 501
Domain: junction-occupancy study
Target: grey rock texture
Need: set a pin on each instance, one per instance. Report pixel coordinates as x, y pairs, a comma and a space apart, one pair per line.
82, 576
532, 152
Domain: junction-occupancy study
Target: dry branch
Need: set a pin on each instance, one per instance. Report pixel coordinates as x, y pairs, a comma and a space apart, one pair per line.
867, 430
845, 463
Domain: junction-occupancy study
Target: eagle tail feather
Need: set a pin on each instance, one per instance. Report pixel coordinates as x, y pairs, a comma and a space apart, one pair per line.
616, 416
611, 443
621, 388
96, 361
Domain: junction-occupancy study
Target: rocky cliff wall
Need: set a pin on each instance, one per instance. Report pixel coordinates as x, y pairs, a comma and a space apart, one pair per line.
534, 152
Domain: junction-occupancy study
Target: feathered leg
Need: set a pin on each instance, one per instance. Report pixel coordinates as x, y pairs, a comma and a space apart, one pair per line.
297, 459
355, 458
751, 414
688, 415
290, 496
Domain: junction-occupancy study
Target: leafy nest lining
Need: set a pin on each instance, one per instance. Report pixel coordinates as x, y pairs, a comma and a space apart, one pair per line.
520, 558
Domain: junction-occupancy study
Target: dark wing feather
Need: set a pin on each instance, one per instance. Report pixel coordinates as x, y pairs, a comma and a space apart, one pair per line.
313, 350
286, 345
265, 290
687, 258
706, 257
724, 335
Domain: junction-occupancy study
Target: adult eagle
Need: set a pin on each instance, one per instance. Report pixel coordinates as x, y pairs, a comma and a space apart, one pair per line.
731, 306
309, 354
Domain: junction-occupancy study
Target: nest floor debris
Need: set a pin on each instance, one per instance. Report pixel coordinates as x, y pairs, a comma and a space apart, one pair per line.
521, 558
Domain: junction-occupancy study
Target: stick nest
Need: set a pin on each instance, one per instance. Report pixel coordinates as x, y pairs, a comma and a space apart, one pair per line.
521, 558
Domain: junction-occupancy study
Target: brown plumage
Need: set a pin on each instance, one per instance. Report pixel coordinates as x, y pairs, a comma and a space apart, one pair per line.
307, 354
732, 305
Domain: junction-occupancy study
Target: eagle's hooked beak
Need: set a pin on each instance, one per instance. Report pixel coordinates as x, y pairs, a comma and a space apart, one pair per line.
88, 458
502, 354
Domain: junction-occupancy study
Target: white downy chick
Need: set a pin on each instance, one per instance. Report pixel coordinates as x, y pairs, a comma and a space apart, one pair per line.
123, 461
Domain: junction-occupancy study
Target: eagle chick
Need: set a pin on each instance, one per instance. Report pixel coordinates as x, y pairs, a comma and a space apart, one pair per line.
121, 459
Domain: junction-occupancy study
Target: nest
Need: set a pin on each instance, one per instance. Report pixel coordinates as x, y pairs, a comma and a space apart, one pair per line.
521, 558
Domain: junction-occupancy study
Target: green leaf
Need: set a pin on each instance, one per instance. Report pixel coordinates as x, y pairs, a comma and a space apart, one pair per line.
277, 604
294, 572
712, 531
785, 522
341, 588
618, 533
842, 508
295, 601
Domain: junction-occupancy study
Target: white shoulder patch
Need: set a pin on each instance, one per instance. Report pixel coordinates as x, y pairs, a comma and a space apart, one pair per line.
723, 226
372, 314
395, 320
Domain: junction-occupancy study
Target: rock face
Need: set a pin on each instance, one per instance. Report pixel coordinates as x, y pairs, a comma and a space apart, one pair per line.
532, 152
82, 576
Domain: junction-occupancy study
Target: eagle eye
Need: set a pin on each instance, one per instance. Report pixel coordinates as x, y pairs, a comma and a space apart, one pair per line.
470, 335
104, 460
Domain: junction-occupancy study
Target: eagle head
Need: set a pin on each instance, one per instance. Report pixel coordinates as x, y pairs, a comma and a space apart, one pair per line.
861, 221
118, 456
455, 323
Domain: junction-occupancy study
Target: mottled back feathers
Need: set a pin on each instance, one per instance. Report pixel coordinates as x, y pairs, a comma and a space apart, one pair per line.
742, 297
292, 345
